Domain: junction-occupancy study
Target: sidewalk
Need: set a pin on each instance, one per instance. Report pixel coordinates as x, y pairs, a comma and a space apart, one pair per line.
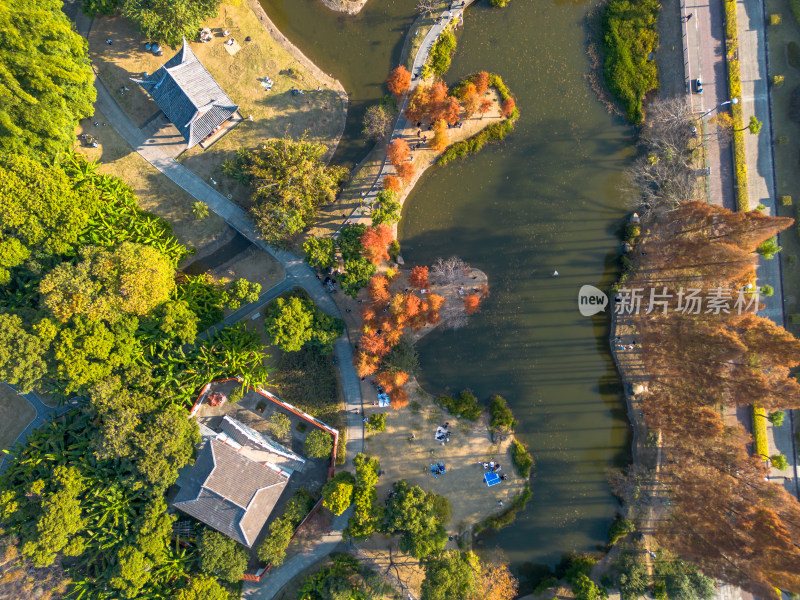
755, 100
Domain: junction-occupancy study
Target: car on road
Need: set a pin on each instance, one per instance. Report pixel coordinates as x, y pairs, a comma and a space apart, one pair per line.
698, 86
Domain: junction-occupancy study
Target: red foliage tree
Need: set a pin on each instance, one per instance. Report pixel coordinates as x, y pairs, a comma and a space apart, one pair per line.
508, 107
393, 336
378, 290
373, 344
419, 277
471, 99
398, 81
366, 364
452, 110
433, 317
368, 313
399, 398
399, 379
418, 103
398, 152
481, 82
406, 171
439, 140
385, 379
472, 304
435, 301
412, 305
375, 243
392, 183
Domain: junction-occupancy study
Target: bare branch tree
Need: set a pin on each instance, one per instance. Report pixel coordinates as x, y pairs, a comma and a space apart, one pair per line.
426, 7
448, 271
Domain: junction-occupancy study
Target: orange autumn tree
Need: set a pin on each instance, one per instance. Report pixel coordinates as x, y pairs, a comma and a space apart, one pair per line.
439, 140
406, 171
399, 398
378, 289
419, 277
398, 81
485, 107
392, 183
398, 152
471, 99
418, 103
508, 107
452, 110
472, 304
375, 243
437, 101
481, 82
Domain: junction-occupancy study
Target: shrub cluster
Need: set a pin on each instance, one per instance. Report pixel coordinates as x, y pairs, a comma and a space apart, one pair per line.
368, 514
441, 54
760, 431
508, 515
502, 419
630, 37
521, 458
464, 405
358, 269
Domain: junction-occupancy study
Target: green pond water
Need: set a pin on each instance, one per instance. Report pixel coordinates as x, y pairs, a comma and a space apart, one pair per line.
544, 199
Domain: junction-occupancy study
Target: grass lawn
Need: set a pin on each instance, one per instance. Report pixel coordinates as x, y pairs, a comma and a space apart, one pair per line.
786, 154
318, 113
16, 413
155, 192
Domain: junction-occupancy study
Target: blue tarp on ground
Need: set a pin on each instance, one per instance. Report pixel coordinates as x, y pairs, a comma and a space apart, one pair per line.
491, 478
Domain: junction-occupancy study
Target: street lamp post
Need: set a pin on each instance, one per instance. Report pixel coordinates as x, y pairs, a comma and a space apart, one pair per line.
708, 112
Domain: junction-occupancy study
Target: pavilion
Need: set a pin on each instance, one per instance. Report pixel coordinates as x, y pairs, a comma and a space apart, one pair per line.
190, 97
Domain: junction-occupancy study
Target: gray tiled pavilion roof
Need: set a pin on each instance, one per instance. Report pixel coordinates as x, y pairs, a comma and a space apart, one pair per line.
229, 492
190, 97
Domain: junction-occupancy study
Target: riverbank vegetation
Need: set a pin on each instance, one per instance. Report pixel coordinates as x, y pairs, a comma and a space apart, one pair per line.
441, 55
709, 484
630, 38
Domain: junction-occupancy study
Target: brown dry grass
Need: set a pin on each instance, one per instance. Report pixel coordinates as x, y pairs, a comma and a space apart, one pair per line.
15, 415
155, 192
277, 113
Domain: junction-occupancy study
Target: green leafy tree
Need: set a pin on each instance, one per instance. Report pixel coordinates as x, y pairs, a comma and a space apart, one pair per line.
176, 320
754, 126
169, 20
451, 575
357, 273
779, 462
47, 84
387, 209
320, 252
131, 573
337, 493
502, 419
22, 361
403, 358
273, 549
200, 211
632, 578
586, 589
242, 291
280, 426
41, 213
290, 181
376, 422
377, 122
222, 557
164, 443
367, 515
132, 279
202, 587
318, 444
679, 580
60, 518
412, 513
293, 322
769, 248
776, 418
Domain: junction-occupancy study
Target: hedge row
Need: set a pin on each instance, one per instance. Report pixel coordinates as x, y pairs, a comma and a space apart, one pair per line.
508, 515
735, 88
760, 431
494, 132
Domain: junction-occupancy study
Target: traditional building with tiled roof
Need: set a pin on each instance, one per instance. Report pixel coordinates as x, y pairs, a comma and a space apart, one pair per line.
189, 96
230, 492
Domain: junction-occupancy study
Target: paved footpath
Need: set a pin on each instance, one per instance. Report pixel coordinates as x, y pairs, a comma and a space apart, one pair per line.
753, 60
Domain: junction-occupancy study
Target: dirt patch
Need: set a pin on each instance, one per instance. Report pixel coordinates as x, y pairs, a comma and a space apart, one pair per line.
317, 113
16, 413
350, 7
254, 265
154, 191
